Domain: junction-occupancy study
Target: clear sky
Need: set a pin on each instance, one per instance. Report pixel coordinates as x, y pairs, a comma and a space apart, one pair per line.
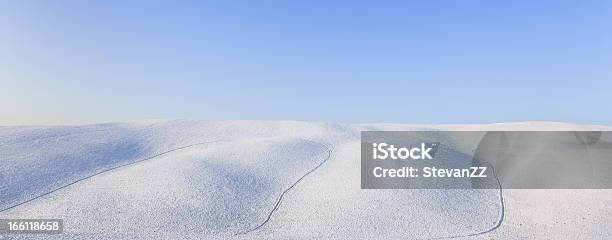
67, 62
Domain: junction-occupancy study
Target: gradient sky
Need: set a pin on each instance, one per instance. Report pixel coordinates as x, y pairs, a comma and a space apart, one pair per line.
71, 62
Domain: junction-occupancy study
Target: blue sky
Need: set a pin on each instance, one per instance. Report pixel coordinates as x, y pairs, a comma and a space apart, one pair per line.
68, 62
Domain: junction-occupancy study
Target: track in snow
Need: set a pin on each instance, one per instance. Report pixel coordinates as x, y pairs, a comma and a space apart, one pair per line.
499, 221
280, 198
107, 170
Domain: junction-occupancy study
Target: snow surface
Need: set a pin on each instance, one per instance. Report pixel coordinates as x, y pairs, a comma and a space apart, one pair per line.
184, 179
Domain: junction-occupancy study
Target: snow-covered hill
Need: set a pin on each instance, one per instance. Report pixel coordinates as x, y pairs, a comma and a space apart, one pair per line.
185, 179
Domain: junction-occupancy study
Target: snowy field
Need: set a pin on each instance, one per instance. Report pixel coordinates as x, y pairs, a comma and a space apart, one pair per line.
259, 180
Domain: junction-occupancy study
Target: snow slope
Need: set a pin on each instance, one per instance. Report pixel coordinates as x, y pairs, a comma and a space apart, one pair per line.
185, 179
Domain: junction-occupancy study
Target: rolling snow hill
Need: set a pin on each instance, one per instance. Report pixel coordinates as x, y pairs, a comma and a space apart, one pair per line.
184, 179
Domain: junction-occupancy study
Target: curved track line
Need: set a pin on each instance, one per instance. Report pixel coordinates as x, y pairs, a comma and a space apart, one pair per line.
278, 202
105, 171
499, 221
280, 198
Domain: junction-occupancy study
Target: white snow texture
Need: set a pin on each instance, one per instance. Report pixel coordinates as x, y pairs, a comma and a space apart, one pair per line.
183, 179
